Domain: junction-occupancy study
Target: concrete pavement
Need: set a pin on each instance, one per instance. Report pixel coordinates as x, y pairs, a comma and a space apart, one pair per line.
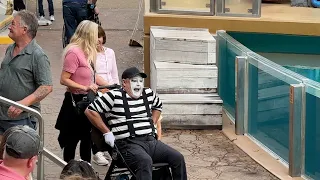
209, 154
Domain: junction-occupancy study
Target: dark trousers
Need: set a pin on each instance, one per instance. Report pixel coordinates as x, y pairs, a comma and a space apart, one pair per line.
73, 14
18, 5
85, 148
40, 5
73, 128
94, 149
141, 152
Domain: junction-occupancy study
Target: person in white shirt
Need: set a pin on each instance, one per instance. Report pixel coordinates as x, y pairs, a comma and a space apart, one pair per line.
106, 67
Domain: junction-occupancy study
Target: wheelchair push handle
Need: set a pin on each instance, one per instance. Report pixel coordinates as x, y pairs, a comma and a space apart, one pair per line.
113, 86
92, 95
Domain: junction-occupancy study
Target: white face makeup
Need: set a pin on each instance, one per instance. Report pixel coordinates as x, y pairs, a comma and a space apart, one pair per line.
136, 84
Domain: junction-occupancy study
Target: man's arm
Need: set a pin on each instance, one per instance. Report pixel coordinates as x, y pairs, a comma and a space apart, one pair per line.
96, 120
100, 81
156, 108
39, 94
100, 105
155, 116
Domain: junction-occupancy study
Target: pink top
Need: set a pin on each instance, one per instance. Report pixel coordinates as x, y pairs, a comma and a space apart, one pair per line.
75, 63
8, 174
107, 66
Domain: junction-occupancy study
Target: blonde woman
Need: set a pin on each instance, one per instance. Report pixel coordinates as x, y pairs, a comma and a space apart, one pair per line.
78, 75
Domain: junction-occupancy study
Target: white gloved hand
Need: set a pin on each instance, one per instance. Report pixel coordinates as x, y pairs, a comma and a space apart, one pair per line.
109, 138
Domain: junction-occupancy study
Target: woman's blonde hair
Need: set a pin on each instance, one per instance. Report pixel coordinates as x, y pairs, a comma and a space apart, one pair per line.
85, 37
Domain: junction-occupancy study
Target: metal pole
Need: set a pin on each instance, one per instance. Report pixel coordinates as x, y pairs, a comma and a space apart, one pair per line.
241, 79
54, 158
296, 129
40, 170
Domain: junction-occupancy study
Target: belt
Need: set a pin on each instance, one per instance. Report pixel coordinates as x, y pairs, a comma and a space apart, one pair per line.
141, 137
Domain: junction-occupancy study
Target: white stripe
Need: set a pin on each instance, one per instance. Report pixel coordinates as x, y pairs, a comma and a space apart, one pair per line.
141, 124
116, 121
120, 128
140, 101
118, 109
137, 109
144, 131
143, 116
104, 105
122, 136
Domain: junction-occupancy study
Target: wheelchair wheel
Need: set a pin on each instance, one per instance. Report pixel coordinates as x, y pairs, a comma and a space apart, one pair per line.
63, 37
122, 177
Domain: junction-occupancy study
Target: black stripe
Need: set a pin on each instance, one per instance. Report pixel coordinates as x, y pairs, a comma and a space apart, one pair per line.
126, 123
119, 124
105, 101
138, 112
157, 102
110, 95
118, 97
96, 108
130, 106
120, 132
100, 105
143, 128
91, 108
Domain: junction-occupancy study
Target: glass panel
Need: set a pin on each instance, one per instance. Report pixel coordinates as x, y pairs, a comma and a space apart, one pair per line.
185, 5
228, 49
238, 6
268, 110
312, 124
312, 136
268, 106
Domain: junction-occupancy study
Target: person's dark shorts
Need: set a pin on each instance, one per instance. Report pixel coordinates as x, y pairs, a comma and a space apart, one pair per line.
6, 124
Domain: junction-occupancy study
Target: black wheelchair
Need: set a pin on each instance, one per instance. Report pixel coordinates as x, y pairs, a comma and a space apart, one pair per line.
118, 169
92, 16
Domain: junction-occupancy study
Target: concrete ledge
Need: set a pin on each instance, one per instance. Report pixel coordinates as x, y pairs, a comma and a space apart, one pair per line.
4, 39
193, 127
254, 151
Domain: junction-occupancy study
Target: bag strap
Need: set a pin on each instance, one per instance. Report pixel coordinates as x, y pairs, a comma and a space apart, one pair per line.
127, 113
73, 101
94, 72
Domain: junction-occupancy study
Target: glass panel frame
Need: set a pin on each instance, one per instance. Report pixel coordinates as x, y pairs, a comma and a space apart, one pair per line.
254, 12
182, 11
226, 41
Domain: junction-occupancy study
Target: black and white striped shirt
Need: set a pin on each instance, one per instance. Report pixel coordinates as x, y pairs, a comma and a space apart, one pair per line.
111, 104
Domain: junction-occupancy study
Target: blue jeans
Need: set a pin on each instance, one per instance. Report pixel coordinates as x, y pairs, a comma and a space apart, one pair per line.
6, 124
40, 5
73, 14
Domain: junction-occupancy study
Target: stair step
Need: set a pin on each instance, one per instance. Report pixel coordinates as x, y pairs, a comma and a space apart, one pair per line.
191, 110
174, 76
183, 45
191, 98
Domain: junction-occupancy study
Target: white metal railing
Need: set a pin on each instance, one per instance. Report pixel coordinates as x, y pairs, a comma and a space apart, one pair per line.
44, 151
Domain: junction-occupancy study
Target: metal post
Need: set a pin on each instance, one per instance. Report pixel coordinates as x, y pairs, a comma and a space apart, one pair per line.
40, 170
296, 129
241, 80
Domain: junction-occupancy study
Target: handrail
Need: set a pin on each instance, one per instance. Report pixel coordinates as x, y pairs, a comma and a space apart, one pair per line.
44, 151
